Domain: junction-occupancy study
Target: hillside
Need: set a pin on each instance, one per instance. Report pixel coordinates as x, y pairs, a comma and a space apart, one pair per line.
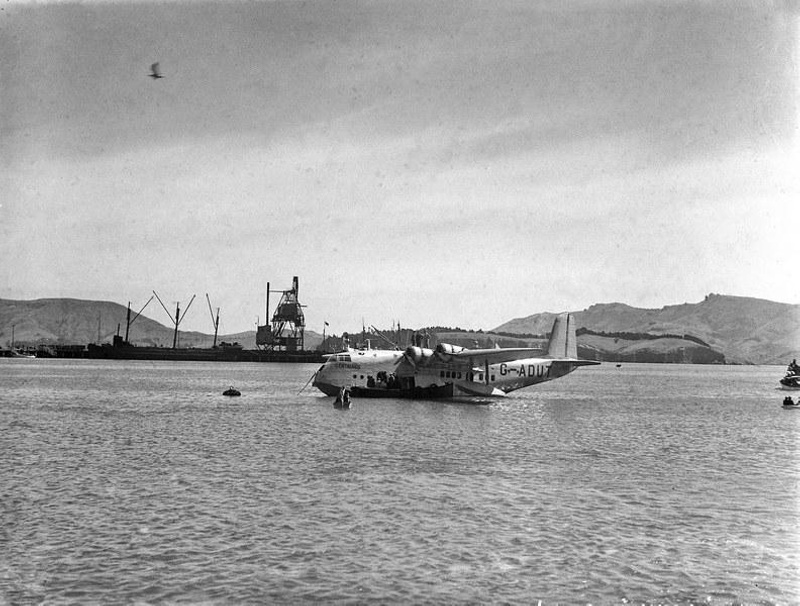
78, 322
664, 350
744, 329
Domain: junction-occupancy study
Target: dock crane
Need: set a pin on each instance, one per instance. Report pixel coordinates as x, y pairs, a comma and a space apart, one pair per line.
215, 321
286, 332
128, 321
178, 317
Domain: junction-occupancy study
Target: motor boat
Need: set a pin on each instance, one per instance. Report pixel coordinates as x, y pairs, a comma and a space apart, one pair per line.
791, 380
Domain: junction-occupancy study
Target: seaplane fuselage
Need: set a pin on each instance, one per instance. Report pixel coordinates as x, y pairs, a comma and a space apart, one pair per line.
377, 370
447, 370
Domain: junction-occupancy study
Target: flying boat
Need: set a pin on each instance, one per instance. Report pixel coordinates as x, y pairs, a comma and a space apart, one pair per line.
448, 371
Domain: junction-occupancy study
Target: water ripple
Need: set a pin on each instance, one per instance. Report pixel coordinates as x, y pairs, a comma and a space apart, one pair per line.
139, 483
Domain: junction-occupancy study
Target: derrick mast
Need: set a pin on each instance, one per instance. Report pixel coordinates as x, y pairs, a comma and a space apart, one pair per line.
285, 332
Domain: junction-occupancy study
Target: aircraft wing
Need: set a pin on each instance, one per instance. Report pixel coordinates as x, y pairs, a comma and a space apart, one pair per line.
492, 356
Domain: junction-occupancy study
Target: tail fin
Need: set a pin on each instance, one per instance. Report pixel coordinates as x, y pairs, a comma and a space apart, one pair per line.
563, 342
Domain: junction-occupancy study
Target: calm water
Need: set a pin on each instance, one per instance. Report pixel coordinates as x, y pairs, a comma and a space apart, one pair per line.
138, 482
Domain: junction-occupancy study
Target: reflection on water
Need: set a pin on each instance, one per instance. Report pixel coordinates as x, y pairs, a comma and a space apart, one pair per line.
140, 482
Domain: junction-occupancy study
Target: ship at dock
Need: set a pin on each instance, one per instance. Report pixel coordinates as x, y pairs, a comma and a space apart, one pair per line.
281, 340
224, 352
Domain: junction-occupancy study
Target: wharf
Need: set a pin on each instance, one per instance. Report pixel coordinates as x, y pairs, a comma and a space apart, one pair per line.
218, 354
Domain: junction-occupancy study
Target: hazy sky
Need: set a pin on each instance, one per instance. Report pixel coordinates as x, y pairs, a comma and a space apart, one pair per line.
457, 163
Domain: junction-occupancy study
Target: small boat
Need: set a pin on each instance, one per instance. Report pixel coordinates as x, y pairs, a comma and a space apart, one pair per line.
342, 399
231, 391
791, 380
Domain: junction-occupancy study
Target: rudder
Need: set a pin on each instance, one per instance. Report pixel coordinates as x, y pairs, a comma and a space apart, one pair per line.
563, 341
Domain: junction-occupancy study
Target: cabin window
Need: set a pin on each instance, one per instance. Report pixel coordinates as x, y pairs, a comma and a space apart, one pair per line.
355, 376
492, 377
441, 373
480, 376
459, 375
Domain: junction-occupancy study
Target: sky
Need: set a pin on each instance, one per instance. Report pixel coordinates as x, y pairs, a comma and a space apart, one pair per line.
456, 163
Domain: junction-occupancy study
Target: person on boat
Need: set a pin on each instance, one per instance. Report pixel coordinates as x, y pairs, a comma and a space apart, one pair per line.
793, 367
787, 401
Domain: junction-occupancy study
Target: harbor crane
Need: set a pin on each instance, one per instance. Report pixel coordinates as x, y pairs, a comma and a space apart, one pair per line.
178, 317
215, 321
286, 332
128, 320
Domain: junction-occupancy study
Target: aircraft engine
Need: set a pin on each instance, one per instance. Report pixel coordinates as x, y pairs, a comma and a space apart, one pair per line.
418, 355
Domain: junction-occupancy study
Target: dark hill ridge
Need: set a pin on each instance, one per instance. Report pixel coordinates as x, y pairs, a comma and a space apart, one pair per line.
78, 322
744, 329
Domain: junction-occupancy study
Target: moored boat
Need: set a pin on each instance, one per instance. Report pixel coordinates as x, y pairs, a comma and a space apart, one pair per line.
342, 399
791, 380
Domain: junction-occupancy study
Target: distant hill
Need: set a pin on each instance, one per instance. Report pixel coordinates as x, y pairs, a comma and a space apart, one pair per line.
738, 330
745, 330
79, 322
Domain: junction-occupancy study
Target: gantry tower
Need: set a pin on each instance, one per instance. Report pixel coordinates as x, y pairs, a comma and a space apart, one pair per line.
285, 332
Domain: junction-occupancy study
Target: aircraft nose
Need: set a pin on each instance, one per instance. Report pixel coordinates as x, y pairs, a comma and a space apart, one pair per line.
320, 374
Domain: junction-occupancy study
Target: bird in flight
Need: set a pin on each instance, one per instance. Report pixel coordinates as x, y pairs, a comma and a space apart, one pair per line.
155, 73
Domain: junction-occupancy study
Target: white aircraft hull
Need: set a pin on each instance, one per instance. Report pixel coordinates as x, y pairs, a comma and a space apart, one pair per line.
449, 372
